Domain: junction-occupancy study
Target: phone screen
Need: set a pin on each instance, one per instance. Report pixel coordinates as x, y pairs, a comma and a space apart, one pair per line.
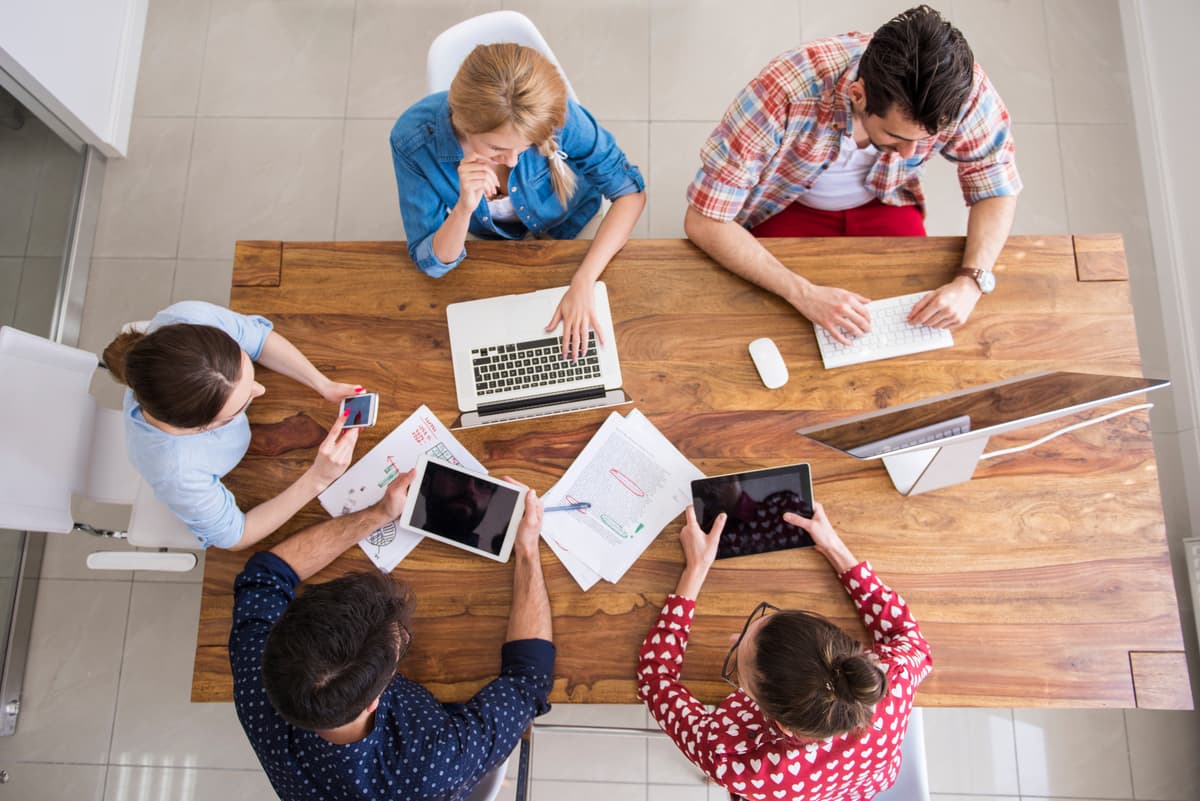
359, 407
754, 504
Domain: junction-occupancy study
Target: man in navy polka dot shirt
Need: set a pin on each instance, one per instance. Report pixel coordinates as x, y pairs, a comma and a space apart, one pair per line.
316, 680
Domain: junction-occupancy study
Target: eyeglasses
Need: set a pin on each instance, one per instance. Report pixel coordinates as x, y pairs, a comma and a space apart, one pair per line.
730, 668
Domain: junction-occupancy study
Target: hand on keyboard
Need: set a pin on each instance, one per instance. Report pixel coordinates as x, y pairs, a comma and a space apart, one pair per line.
577, 312
842, 313
948, 306
890, 335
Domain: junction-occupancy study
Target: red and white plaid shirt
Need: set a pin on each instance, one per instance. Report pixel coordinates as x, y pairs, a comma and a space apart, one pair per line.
737, 747
786, 127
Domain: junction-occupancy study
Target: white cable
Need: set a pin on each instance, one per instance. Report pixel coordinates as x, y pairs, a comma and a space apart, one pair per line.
1066, 430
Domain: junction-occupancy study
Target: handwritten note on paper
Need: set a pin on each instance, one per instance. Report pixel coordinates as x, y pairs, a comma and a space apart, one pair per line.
366, 480
636, 481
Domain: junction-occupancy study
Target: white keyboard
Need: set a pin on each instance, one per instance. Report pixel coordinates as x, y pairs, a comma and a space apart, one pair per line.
890, 335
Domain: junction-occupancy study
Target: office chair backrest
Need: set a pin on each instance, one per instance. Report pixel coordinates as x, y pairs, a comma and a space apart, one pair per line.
55, 440
454, 44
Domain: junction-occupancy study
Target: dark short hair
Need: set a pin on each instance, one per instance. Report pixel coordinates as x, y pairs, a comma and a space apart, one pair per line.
812, 677
335, 649
181, 374
920, 63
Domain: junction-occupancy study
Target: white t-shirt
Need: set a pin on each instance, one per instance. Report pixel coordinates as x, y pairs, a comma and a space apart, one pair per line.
501, 210
843, 184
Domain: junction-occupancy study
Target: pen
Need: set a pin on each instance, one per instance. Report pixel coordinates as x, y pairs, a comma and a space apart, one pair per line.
571, 507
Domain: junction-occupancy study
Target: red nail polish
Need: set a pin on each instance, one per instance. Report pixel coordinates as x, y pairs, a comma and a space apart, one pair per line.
346, 413
358, 389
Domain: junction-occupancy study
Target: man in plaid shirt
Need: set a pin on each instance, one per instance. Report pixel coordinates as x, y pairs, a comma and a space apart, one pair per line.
830, 140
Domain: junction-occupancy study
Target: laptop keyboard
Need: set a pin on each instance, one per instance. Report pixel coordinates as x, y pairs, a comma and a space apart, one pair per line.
536, 363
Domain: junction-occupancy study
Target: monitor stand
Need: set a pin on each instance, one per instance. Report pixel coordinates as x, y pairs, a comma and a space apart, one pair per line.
936, 467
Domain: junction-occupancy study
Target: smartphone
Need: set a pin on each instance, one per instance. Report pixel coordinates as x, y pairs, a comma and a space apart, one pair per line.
363, 410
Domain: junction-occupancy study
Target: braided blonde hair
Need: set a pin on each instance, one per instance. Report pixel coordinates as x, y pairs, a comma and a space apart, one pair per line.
508, 84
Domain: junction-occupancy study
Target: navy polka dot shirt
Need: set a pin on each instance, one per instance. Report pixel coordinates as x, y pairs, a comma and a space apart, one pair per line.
419, 748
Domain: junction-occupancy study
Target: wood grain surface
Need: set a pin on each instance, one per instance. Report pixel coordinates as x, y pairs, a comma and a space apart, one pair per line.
1034, 582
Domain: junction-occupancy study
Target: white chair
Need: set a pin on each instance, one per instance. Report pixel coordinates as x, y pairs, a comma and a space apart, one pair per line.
453, 45
57, 442
913, 782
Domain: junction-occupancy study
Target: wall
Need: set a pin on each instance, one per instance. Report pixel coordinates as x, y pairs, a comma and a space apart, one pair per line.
1163, 64
80, 59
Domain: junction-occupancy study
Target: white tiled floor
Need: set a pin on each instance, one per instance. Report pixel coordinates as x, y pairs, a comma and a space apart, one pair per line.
268, 119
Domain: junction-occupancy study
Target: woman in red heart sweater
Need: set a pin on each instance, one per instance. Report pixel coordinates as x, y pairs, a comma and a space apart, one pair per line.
815, 715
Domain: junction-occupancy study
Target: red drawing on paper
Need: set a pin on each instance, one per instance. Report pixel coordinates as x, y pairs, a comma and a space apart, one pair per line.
627, 482
571, 499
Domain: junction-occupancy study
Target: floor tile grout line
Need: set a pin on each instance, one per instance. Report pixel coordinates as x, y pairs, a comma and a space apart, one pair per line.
1012, 722
1128, 751
337, 200
112, 729
187, 175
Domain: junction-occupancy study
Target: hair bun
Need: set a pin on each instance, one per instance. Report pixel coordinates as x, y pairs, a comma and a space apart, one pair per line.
114, 354
856, 679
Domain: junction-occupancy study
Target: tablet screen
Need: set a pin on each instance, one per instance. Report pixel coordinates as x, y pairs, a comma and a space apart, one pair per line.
464, 508
755, 503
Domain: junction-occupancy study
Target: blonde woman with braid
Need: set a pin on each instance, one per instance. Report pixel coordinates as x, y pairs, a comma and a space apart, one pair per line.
506, 154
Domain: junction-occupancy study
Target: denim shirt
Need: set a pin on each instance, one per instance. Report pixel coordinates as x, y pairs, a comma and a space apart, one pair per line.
426, 155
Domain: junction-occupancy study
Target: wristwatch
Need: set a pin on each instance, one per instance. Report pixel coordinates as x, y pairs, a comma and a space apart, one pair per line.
985, 279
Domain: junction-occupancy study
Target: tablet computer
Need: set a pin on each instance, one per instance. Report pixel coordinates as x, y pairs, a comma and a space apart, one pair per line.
464, 509
754, 503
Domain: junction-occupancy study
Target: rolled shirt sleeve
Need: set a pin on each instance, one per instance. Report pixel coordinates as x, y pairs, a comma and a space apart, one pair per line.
738, 151
982, 146
423, 213
593, 152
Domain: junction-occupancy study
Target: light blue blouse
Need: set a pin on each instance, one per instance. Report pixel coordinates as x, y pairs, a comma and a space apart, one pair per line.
185, 470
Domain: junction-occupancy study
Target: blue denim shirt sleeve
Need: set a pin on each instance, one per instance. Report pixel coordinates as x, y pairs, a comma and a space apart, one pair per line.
594, 153
421, 208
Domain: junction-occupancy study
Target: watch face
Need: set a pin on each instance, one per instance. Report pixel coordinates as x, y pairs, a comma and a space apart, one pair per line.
986, 281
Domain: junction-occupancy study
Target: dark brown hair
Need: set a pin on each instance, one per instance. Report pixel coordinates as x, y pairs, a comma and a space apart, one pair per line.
181, 374
812, 677
335, 649
920, 63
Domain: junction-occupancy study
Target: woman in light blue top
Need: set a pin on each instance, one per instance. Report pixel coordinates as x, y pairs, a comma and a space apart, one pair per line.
505, 154
190, 377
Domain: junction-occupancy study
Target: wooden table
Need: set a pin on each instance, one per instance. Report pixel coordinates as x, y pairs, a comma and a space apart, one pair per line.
1042, 582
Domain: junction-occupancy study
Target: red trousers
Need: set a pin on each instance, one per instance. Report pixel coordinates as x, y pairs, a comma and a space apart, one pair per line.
872, 219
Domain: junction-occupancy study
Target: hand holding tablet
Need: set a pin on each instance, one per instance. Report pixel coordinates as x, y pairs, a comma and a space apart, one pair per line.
474, 512
755, 503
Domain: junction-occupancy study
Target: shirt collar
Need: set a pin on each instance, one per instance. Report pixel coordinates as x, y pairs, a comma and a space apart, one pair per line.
444, 140
836, 104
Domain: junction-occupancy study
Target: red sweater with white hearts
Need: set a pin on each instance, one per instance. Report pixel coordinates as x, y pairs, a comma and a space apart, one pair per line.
738, 749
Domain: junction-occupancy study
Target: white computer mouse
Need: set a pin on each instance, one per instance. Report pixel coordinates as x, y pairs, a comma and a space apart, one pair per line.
769, 362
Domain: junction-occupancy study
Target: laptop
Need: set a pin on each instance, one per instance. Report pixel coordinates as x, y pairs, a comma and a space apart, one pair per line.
507, 367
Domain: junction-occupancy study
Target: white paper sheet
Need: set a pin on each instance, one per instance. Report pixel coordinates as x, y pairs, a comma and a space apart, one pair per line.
397, 453
636, 481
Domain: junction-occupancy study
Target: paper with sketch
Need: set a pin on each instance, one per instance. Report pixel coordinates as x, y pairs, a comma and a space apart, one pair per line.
366, 480
636, 481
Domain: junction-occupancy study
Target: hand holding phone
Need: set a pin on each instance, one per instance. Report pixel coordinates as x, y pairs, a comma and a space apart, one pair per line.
363, 410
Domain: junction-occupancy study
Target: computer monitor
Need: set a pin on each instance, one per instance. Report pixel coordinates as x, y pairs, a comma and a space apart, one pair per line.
930, 444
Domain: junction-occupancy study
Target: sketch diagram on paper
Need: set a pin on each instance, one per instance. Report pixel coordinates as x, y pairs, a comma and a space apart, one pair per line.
367, 480
382, 538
